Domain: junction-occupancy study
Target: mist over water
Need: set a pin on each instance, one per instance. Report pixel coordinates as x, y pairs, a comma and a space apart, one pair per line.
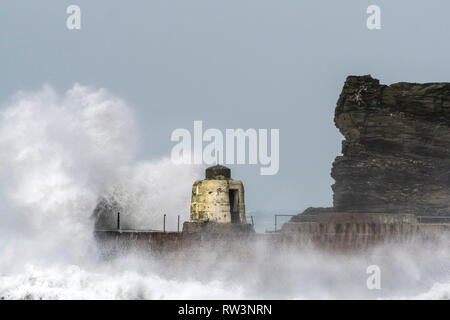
61, 153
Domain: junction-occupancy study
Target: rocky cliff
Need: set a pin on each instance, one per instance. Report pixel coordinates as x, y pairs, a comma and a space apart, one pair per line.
396, 152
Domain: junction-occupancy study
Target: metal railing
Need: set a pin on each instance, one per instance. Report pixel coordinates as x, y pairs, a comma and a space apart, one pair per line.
431, 219
119, 229
276, 222
420, 219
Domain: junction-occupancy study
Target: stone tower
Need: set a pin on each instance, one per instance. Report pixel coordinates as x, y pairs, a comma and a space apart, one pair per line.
218, 198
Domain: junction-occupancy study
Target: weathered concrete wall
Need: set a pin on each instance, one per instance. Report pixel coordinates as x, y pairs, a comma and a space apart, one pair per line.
365, 218
240, 240
229, 230
187, 245
358, 235
211, 200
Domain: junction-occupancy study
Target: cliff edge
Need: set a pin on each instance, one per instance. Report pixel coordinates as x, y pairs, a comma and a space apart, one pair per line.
396, 152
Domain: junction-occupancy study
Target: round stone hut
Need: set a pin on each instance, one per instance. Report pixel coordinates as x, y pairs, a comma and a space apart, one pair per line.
218, 198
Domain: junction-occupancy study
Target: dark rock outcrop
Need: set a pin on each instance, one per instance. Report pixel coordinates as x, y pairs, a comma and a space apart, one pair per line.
311, 213
396, 152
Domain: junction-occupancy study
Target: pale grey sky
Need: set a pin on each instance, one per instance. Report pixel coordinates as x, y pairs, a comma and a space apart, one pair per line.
230, 63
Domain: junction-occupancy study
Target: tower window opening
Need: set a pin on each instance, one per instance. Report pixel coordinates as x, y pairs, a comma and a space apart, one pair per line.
234, 205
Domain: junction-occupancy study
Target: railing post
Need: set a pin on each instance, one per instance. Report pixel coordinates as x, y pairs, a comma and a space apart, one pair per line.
164, 226
178, 229
118, 220
275, 223
253, 223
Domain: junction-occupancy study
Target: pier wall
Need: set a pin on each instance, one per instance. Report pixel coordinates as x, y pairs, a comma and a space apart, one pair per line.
337, 233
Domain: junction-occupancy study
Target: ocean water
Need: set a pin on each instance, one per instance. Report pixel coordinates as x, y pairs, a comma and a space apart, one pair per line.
62, 152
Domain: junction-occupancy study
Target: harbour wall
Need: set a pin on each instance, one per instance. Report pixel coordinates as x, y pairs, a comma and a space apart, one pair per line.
339, 233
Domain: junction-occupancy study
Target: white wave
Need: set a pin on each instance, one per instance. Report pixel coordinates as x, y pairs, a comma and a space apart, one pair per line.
73, 282
439, 291
60, 154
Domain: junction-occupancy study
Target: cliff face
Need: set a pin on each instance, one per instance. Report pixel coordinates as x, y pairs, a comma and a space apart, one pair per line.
396, 152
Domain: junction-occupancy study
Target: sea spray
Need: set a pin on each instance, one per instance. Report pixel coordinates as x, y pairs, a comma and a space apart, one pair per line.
60, 154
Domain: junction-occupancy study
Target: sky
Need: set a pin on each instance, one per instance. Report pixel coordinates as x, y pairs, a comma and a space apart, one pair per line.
231, 64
